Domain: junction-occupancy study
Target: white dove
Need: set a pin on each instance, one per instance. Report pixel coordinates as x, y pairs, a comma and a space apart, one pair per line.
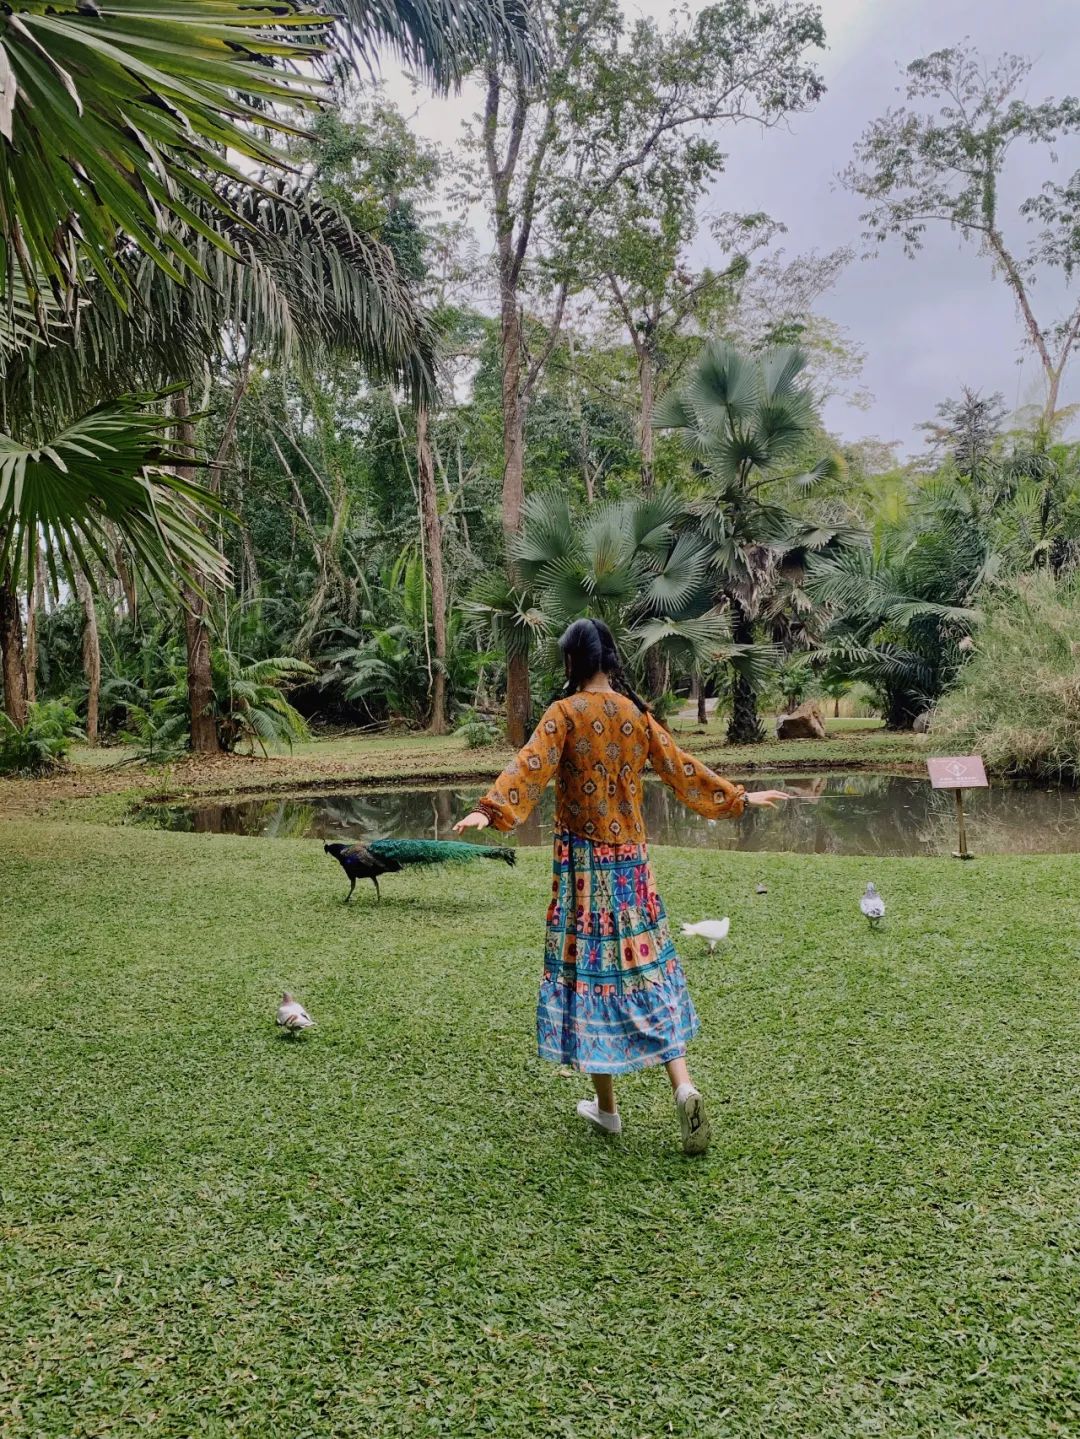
873, 906
714, 930
292, 1016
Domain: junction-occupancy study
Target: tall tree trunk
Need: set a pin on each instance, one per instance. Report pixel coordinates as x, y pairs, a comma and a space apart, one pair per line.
702, 712
901, 710
127, 584
646, 437
425, 473
91, 656
12, 655
655, 675
1053, 390
513, 411
200, 684
34, 596
745, 727
518, 697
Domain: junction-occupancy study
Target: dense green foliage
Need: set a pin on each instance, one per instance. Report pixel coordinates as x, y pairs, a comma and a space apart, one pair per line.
1019, 702
675, 474
42, 742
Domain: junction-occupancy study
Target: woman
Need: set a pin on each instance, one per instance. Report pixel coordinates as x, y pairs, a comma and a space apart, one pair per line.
613, 998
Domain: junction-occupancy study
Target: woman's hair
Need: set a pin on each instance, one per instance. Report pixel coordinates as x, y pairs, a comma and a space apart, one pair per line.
588, 646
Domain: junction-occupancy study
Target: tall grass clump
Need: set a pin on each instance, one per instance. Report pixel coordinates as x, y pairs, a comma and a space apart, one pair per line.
1017, 702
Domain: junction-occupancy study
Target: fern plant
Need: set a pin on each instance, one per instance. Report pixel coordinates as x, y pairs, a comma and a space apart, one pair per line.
42, 743
249, 704
479, 731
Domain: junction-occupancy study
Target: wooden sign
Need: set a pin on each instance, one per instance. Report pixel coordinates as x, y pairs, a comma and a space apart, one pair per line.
958, 773
963, 772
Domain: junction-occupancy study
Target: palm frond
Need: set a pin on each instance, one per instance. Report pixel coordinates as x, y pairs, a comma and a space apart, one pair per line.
441, 39
104, 472
963, 616
725, 387
549, 533
118, 119
652, 519
700, 642
831, 467
297, 281
564, 589
508, 616
682, 576
780, 368
756, 663
113, 117
673, 411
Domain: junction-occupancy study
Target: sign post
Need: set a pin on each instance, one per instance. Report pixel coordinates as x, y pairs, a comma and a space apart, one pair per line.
958, 773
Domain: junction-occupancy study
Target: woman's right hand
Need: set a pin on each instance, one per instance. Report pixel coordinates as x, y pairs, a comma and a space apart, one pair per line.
767, 798
475, 820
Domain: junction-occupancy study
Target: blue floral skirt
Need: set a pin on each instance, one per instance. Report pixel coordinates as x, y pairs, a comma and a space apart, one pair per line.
613, 998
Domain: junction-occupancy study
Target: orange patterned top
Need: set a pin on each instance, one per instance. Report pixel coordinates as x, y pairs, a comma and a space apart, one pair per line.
598, 743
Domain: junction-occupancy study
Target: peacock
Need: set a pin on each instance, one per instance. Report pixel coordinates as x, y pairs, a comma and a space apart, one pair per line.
387, 856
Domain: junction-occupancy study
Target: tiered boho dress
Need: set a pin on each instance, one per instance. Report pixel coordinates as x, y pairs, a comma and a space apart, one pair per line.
613, 997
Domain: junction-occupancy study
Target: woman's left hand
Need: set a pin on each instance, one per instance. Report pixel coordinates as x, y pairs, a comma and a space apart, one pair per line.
476, 819
768, 798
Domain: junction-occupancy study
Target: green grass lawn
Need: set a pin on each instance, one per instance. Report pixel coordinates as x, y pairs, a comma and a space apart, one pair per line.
397, 1226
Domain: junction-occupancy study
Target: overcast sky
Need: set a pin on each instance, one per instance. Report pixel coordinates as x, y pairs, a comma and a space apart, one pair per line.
929, 325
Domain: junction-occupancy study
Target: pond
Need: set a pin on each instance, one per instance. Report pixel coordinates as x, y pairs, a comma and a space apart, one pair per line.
857, 813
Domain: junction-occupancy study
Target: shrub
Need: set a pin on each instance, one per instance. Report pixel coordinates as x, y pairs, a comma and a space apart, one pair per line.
479, 730
666, 705
42, 743
1018, 699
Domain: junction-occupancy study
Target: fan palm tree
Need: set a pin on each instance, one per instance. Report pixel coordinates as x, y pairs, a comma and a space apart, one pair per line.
904, 605
746, 422
628, 562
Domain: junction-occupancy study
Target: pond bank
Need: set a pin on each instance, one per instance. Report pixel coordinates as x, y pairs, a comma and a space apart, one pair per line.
98, 787
838, 812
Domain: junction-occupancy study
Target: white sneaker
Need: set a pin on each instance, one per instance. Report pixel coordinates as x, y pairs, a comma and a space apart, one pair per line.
599, 1118
693, 1121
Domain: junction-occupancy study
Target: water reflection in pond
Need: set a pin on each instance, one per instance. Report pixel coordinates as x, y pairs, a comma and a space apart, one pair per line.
855, 813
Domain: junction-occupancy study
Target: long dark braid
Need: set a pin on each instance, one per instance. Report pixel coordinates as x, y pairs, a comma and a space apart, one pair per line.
588, 646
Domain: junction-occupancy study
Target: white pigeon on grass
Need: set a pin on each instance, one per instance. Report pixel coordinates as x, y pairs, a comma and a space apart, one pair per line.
873, 906
292, 1016
714, 930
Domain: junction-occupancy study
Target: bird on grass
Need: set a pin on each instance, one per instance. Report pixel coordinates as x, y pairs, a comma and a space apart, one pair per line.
873, 906
292, 1016
387, 856
714, 930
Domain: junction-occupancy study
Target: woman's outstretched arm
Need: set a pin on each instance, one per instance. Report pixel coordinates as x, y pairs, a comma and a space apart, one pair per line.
695, 784
514, 794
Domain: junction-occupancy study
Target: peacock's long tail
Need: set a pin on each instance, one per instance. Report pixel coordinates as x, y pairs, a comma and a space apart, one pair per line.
438, 851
